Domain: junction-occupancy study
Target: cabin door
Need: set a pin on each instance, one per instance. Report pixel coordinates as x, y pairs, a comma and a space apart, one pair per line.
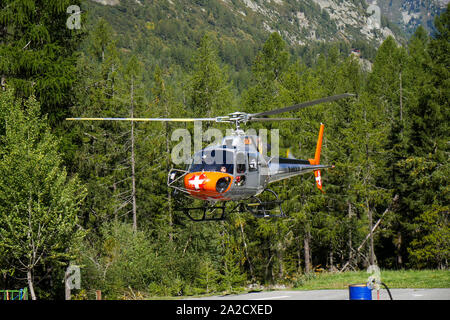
253, 173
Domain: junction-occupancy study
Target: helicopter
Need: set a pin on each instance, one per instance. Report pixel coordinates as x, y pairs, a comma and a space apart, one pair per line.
237, 170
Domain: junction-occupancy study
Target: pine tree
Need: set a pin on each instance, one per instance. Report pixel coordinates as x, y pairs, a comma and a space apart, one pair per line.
208, 89
427, 166
232, 275
269, 68
102, 158
209, 276
158, 149
38, 51
389, 89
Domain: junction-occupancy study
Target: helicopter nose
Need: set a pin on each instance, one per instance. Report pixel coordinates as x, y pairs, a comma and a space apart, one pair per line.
222, 184
207, 184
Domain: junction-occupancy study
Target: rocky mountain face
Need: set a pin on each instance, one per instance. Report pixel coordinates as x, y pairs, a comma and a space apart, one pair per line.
298, 21
409, 14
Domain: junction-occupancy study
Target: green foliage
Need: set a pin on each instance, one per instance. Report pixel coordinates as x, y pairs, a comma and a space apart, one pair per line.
121, 258
39, 203
391, 139
208, 90
38, 51
431, 249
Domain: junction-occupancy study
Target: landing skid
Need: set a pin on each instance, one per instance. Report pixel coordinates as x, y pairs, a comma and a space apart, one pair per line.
266, 205
207, 213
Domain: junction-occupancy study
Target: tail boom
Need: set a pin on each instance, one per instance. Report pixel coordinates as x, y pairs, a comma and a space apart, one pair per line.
284, 168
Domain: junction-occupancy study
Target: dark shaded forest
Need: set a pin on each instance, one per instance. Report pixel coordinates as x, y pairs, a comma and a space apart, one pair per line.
66, 188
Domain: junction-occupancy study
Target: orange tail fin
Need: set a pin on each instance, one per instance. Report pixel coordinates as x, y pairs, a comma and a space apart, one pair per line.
318, 180
316, 159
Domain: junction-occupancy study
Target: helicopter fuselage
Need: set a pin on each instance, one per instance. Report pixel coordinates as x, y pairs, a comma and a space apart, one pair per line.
238, 169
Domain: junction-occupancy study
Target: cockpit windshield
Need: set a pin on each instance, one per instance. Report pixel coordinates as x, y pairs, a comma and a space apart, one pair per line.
213, 160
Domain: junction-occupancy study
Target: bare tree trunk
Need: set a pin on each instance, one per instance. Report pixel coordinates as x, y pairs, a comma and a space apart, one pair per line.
331, 257
401, 98
169, 194
66, 286
350, 249
112, 82
133, 163
371, 248
280, 260
268, 269
32, 261
398, 246
401, 105
373, 229
246, 252
306, 249
30, 284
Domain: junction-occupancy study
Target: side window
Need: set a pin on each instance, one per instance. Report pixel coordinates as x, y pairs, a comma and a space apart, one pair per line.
252, 162
240, 162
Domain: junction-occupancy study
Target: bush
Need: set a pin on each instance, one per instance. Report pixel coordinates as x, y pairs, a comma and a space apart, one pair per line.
120, 260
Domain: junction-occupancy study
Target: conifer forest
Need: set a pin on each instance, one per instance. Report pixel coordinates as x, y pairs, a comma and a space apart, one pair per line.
95, 194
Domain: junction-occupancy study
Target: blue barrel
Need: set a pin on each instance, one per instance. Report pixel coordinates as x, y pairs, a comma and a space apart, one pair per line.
360, 292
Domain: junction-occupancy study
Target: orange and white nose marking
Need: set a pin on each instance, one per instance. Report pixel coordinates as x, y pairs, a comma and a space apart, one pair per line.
197, 182
208, 185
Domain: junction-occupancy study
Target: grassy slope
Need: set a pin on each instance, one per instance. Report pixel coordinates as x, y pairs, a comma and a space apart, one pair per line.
393, 279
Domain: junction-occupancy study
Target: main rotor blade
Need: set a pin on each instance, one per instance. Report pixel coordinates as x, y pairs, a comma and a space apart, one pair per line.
143, 119
273, 119
302, 105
